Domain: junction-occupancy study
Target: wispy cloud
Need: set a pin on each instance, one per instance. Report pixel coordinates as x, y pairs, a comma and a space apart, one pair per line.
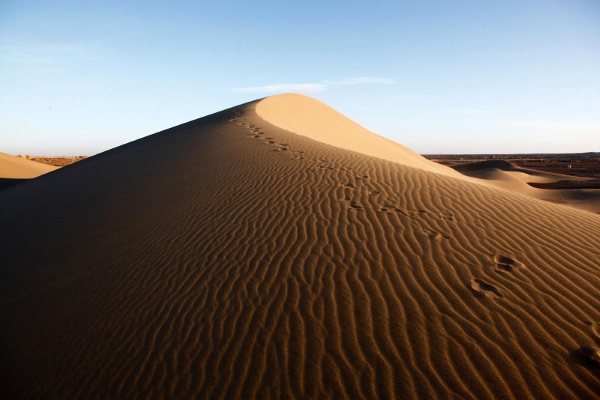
313, 87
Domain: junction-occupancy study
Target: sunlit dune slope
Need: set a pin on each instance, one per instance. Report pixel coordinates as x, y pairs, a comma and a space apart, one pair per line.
311, 118
12, 167
231, 258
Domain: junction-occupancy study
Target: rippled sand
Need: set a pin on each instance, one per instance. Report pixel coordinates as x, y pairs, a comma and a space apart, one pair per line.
230, 258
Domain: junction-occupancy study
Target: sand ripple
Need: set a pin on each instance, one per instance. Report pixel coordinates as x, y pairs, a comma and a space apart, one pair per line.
229, 258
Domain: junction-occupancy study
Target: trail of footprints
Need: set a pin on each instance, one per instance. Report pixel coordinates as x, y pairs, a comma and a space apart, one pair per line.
360, 187
255, 132
359, 183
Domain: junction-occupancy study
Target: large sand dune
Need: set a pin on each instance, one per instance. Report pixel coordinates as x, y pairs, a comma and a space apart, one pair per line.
231, 258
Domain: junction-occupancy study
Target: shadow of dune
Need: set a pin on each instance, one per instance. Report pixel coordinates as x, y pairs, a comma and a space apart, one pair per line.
8, 182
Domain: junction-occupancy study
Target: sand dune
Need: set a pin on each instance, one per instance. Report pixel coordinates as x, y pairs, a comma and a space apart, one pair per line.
315, 120
12, 167
15, 170
506, 176
310, 118
253, 254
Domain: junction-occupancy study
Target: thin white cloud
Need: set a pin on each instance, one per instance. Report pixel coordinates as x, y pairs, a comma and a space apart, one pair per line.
313, 87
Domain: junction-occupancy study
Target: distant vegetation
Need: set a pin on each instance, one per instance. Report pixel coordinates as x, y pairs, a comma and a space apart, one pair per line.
59, 161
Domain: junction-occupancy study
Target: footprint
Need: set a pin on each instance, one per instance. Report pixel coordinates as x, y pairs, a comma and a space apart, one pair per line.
435, 235
480, 286
398, 210
507, 264
447, 216
587, 356
354, 205
595, 331
387, 207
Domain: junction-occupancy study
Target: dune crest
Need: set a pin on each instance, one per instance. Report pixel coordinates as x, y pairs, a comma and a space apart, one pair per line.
309, 117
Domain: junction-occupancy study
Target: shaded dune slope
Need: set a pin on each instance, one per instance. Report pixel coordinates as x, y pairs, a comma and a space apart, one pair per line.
230, 258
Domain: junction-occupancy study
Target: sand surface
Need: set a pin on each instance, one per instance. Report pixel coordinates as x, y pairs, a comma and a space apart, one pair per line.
12, 167
231, 258
504, 175
317, 121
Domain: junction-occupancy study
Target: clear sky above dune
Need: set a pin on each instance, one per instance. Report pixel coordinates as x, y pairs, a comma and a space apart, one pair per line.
436, 76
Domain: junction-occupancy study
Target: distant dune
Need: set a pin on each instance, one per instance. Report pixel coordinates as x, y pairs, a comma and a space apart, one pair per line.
279, 250
12, 167
15, 170
529, 182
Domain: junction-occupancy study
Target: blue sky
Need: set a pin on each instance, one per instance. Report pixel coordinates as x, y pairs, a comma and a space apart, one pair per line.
80, 77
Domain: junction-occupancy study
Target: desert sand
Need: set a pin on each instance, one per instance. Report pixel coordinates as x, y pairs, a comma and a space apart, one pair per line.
507, 176
15, 170
278, 250
12, 167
